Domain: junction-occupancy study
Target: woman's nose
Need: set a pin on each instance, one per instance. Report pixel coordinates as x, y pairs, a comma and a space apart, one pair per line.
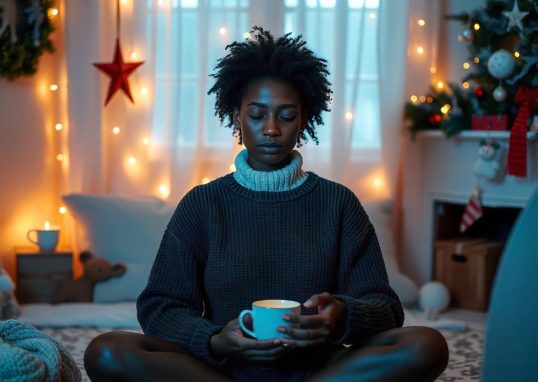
270, 127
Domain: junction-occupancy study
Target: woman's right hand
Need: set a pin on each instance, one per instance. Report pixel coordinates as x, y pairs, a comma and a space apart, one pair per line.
232, 342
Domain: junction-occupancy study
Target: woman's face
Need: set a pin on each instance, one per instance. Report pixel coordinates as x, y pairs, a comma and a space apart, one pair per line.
270, 118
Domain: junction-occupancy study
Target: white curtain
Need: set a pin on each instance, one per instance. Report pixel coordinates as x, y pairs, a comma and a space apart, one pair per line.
165, 147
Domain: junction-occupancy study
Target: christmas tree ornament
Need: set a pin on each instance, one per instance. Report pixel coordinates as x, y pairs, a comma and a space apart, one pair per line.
434, 119
118, 70
517, 149
487, 164
473, 210
501, 64
467, 35
499, 93
479, 92
514, 17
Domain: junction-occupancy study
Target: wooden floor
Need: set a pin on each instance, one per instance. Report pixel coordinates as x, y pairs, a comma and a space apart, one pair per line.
470, 316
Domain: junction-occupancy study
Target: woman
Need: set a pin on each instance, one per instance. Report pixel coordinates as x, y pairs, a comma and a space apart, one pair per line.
269, 230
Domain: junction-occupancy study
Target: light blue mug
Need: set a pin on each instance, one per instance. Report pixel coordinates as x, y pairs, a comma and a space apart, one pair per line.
267, 317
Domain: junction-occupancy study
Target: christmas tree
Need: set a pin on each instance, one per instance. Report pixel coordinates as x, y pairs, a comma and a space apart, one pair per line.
502, 41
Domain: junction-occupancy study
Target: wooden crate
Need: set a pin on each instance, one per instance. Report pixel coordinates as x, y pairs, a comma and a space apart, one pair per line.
467, 267
39, 273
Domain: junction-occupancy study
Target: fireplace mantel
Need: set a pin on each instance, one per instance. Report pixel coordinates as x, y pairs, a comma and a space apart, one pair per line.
440, 169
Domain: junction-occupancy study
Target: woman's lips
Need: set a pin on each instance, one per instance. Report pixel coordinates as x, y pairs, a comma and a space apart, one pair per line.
270, 148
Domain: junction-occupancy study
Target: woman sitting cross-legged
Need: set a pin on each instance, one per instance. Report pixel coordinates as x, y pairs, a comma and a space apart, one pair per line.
269, 231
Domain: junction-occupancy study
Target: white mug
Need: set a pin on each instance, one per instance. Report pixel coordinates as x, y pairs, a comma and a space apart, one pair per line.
267, 317
46, 240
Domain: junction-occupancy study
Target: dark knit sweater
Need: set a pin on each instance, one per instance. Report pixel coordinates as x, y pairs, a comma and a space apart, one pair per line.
227, 246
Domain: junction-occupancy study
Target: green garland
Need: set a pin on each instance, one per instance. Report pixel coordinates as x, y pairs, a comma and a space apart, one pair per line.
20, 58
478, 98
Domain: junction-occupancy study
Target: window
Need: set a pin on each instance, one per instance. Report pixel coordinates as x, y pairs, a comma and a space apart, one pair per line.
190, 35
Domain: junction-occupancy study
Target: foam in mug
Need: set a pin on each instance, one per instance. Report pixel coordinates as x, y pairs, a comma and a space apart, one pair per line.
267, 317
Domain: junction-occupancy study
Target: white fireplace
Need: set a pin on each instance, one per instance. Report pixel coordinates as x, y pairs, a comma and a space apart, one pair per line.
440, 170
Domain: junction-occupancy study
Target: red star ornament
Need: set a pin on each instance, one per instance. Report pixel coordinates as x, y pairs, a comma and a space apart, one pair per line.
118, 71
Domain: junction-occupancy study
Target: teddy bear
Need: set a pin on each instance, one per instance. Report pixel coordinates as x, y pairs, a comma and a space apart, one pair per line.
81, 289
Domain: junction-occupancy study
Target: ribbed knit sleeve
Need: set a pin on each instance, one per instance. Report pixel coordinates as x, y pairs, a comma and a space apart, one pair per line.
171, 306
371, 304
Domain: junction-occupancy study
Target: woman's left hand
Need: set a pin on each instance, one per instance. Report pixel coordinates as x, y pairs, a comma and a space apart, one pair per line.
315, 329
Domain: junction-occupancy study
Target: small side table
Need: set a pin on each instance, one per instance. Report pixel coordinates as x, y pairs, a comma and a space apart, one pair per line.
39, 273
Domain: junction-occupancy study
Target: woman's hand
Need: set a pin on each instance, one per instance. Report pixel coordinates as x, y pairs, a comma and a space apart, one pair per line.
315, 329
231, 342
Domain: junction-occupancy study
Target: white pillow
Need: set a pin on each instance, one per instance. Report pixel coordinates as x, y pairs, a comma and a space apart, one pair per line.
126, 230
380, 214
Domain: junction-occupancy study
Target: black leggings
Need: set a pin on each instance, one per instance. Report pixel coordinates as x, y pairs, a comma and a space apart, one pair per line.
412, 354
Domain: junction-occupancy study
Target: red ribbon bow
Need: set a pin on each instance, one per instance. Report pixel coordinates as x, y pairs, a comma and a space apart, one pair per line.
517, 149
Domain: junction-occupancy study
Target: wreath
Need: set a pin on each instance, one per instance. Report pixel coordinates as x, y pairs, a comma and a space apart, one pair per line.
25, 28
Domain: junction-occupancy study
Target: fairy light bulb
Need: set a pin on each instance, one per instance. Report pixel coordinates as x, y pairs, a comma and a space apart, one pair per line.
421, 22
476, 26
445, 109
466, 65
516, 54
433, 70
131, 160
58, 126
476, 60
144, 91
422, 98
134, 55
116, 130
59, 157
164, 191
440, 85
53, 12
222, 31
53, 87
429, 99
420, 50
414, 98
349, 116
465, 85
62, 210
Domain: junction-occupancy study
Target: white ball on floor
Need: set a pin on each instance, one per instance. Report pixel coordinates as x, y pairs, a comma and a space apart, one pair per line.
433, 296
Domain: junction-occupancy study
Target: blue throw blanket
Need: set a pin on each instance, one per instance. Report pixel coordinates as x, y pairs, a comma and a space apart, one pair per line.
27, 354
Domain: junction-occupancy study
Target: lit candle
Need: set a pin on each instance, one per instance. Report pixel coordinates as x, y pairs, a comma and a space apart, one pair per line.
45, 238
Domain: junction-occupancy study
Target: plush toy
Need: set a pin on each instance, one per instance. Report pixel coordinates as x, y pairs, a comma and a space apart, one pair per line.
9, 308
487, 164
81, 289
434, 298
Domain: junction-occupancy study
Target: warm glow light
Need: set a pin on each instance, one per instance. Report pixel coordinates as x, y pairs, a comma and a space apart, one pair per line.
53, 87
132, 160
232, 167
349, 116
62, 210
414, 98
134, 55
440, 84
476, 60
465, 85
445, 109
420, 50
433, 70
422, 99
59, 157
58, 126
421, 22
53, 12
429, 99
145, 141
372, 15
466, 65
222, 31
476, 26
115, 130
144, 91
164, 191
123, 2
206, 180
377, 182
516, 54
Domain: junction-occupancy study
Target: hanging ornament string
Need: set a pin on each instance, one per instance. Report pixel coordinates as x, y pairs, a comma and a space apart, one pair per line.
118, 70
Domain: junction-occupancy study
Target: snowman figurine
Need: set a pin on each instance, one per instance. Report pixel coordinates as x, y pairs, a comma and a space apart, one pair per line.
487, 164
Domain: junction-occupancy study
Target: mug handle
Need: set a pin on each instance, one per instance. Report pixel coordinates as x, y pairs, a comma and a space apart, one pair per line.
245, 329
29, 237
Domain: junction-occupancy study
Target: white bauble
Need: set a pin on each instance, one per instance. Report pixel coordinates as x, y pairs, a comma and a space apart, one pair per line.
501, 64
433, 296
499, 94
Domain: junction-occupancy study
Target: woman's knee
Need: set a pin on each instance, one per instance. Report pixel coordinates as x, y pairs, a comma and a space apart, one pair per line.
109, 355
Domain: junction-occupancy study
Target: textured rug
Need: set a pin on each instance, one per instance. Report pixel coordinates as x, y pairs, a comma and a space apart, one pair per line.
466, 349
